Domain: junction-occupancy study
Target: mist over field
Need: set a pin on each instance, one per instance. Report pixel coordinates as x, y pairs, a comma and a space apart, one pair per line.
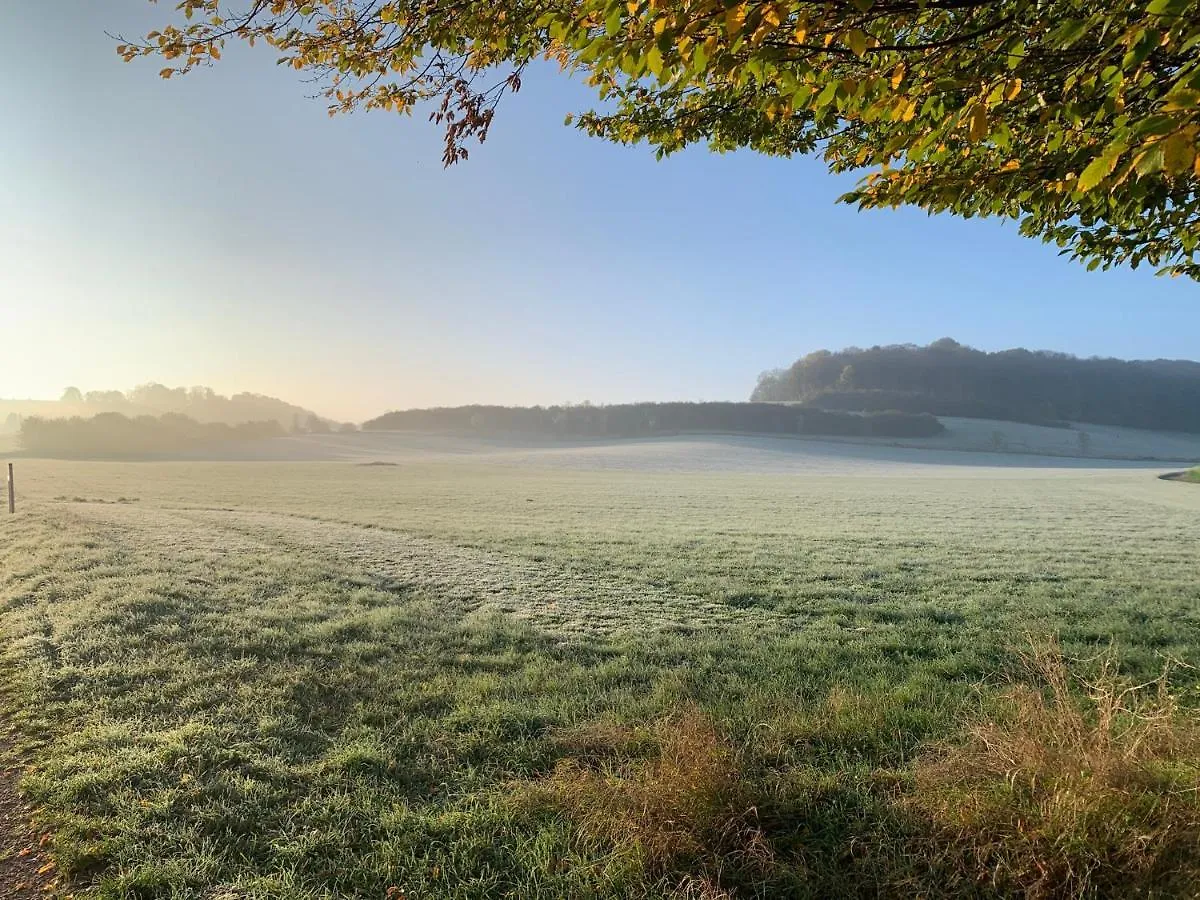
610, 650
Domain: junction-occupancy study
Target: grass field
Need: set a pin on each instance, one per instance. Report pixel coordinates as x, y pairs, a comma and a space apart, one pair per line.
692, 668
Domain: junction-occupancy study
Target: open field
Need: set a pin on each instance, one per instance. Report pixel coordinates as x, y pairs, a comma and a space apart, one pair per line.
999, 442
699, 667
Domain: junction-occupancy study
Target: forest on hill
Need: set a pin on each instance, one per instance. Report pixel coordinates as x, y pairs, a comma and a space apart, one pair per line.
947, 378
200, 404
646, 419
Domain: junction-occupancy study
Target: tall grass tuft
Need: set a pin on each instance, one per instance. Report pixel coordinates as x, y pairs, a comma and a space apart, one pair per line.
1079, 787
679, 807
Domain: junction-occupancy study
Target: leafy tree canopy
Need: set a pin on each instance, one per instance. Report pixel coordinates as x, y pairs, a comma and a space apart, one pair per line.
1080, 118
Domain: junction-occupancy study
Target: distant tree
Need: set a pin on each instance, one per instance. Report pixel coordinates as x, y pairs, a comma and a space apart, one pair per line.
106, 398
772, 385
347, 428
72, 395
159, 397
316, 425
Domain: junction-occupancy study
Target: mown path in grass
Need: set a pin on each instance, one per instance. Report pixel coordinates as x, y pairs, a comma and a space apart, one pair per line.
557, 601
220, 713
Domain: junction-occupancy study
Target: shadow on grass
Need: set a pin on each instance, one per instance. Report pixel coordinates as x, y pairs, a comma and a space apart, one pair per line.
270, 727
1076, 787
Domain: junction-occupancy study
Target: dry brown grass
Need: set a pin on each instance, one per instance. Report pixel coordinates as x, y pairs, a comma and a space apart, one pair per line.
1080, 788
679, 806
1076, 787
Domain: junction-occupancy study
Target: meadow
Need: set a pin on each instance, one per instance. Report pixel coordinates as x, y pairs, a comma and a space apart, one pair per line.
671, 668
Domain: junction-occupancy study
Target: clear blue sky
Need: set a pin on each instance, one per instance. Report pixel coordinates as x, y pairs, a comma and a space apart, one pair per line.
220, 229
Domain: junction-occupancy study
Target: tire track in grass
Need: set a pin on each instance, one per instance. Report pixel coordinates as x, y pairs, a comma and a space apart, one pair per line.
555, 600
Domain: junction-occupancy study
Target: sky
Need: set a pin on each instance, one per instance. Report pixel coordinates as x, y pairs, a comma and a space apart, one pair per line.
222, 230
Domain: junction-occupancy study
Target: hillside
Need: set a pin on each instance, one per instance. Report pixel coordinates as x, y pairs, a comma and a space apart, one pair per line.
949, 379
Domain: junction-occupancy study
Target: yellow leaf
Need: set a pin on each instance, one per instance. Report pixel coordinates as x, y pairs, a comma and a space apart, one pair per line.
910, 111
1179, 153
632, 7
800, 34
897, 76
734, 19
1010, 166
1014, 88
660, 25
979, 123
166, 73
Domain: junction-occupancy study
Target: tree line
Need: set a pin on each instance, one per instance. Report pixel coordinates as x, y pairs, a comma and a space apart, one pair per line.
114, 435
947, 378
202, 404
647, 419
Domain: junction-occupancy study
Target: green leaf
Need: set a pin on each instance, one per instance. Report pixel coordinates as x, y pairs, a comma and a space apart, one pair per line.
1151, 161
654, 61
857, 42
612, 23
1100, 167
826, 96
1166, 7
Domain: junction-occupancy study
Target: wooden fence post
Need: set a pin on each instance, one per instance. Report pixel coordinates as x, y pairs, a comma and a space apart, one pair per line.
12, 492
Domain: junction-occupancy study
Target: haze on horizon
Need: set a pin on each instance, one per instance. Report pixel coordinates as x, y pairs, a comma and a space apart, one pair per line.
221, 230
